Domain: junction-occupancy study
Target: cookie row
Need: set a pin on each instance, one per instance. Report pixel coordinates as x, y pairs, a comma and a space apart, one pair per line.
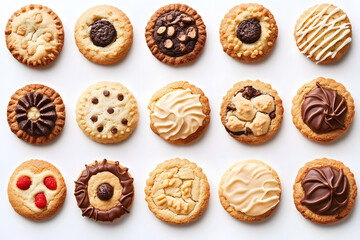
175, 34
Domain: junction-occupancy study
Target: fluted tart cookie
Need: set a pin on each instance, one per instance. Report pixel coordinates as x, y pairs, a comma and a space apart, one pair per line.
322, 110
248, 32
179, 112
34, 35
251, 112
36, 114
175, 34
104, 34
177, 191
323, 33
325, 191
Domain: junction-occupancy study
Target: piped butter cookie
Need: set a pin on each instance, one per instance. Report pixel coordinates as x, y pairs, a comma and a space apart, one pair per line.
34, 35
322, 110
179, 112
177, 191
175, 34
248, 32
104, 34
107, 112
251, 112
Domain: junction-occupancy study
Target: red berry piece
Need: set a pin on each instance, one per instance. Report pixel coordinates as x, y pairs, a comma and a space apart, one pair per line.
50, 183
40, 200
23, 183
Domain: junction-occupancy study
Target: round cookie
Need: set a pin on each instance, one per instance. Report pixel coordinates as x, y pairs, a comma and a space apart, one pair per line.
34, 35
104, 191
36, 114
324, 191
248, 32
322, 110
251, 112
175, 34
36, 190
177, 191
323, 33
179, 112
107, 112
103, 34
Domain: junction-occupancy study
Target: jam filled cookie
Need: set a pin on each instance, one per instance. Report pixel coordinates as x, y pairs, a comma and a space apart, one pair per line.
107, 112
177, 191
251, 112
36, 114
34, 35
250, 191
322, 110
36, 190
179, 112
323, 33
175, 34
103, 34
248, 32
325, 191
104, 191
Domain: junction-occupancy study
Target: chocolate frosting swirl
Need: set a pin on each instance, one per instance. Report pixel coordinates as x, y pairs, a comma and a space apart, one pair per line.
102, 33
324, 110
326, 190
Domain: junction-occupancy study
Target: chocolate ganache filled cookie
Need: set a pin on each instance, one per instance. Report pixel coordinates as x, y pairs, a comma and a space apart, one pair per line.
175, 34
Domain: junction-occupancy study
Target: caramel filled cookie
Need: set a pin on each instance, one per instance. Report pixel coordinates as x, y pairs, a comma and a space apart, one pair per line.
323, 33
322, 110
177, 191
104, 191
179, 112
34, 35
251, 112
104, 34
36, 190
248, 32
250, 191
36, 114
324, 191
175, 34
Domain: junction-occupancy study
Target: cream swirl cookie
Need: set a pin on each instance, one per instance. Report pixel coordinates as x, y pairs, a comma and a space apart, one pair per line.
179, 112
250, 190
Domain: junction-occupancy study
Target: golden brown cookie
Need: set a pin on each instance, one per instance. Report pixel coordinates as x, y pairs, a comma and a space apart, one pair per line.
36, 114
248, 32
323, 33
324, 191
175, 34
251, 112
177, 191
36, 190
103, 34
322, 110
179, 112
34, 35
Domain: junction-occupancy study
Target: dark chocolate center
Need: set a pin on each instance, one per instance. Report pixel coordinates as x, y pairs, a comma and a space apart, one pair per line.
249, 30
102, 33
105, 191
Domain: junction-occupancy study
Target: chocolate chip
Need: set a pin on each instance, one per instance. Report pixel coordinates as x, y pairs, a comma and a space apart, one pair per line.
231, 107
249, 92
124, 121
106, 93
114, 130
249, 30
272, 115
100, 128
95, 100
105, 191
94, 118
120, 97
110, 110
102, 33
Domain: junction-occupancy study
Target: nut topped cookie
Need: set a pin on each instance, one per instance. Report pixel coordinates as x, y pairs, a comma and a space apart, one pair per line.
251, 112
248, 32
175, 34
177, 191
107, 112
34, 35
179, 112
104, 34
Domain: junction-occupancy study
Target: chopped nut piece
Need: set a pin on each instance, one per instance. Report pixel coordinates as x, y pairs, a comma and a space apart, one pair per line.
169, 17
21, 30
168, 43
38, 18
187, 19
191, 32
182, 37
182, 47
161, 30
170, 31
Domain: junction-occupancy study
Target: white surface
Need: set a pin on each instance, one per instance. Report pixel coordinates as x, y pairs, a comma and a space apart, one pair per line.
215, 72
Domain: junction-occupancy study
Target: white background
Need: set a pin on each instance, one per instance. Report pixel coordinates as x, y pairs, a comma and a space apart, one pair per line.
286, 69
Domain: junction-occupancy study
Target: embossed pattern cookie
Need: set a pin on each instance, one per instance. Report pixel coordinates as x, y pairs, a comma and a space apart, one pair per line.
179, 112
36, 190
323, 33
107, 112
34, 35
175, 34
177, 191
